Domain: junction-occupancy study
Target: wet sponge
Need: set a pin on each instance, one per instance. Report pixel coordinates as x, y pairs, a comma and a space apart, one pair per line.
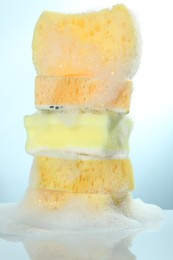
103, 44
71, 92
92, 134
66, 202
83, 176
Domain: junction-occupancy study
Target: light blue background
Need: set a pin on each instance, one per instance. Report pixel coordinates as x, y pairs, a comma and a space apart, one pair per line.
152, 101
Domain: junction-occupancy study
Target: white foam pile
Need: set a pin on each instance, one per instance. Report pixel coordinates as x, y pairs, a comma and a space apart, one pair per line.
56, 234
22, 219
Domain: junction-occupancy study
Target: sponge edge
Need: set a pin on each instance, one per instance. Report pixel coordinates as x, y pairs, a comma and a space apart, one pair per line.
89, 203
71, 92
82, 176
72, 45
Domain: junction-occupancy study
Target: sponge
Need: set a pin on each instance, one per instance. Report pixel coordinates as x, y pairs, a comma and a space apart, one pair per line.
49, 200
99, 134
71, 92
83, 176
103, 44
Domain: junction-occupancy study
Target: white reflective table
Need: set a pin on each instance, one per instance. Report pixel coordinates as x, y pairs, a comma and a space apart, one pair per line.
148, 246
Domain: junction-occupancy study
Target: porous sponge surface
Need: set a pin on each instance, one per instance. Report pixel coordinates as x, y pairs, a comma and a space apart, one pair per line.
84, 204
81, 44
83, 176
78, 91
103, 44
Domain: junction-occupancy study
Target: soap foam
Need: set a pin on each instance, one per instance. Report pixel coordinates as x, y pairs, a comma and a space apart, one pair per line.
74, 233
22, 219
105, 246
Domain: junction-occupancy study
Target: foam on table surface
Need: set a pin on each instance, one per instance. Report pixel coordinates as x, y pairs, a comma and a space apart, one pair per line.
44, 237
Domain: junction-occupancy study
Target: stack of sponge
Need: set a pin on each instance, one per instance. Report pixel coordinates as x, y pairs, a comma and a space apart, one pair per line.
79, 136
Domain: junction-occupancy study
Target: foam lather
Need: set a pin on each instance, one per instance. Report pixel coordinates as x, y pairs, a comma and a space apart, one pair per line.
83, 176
103, 44
99, 134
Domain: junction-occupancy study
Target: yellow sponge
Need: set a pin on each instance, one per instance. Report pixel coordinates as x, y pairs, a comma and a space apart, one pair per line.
49, 200
103, 44
71, 92
83, 176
